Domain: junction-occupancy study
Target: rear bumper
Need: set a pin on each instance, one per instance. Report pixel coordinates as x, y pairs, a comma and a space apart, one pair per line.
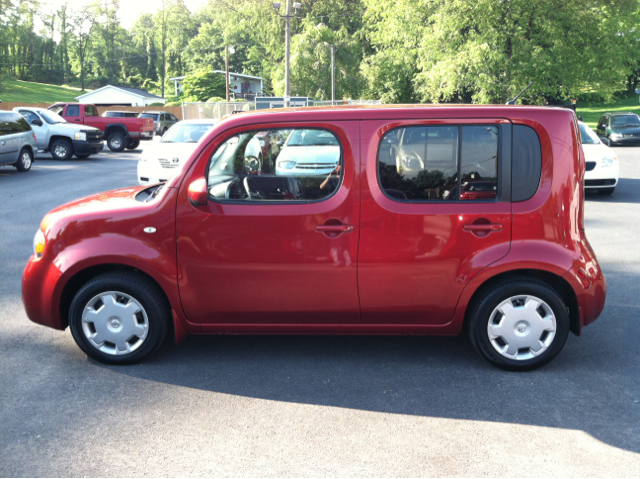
590, 286
141, 135
39, 282
86, 148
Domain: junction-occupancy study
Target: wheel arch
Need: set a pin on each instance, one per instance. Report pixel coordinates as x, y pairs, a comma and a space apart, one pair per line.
81, 277
558, 283
58, 137
116, 128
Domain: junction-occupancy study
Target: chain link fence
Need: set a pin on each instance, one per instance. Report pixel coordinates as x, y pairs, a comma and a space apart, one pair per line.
215, 111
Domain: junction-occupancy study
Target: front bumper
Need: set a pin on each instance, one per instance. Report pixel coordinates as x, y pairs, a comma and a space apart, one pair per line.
39, 282
86, 148
625, 141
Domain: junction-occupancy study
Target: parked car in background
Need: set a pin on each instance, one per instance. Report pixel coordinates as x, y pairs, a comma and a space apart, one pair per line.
160, 161
618, 129
120, 114
227, 247
62, 139
308, 152
602, 166
162, 121
17, 141
120, 133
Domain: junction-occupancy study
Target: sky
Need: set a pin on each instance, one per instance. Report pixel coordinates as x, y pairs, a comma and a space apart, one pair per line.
129, 9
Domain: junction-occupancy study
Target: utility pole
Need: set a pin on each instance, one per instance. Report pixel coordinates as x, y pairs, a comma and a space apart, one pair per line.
226, 66
333, 76
287, 34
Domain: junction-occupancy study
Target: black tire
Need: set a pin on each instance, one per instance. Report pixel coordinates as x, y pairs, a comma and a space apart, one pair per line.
133, 144
142, 290
116, 142
82, 157
61, 149
25, 160
606, 191
481, 313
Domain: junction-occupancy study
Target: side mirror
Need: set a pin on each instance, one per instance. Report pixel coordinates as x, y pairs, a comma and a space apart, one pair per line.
36, 122
198, 195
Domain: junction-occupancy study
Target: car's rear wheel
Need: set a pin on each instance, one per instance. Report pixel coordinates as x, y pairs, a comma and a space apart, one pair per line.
133, 144
119, 318
519, 325
606, 191
25, 160
116, 142
61, 149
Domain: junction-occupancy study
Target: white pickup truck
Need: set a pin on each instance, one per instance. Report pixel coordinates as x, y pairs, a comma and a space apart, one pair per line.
62, 139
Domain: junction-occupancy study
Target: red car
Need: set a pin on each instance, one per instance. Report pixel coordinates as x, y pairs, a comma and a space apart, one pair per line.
219, 249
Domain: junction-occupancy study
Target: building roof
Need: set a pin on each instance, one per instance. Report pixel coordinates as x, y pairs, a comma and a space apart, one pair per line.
134, 91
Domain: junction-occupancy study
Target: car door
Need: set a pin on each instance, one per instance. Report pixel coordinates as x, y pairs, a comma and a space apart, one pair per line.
41, 131
435, 211
267, 248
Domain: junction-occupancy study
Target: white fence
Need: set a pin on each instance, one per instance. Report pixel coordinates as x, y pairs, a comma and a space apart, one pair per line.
196, 111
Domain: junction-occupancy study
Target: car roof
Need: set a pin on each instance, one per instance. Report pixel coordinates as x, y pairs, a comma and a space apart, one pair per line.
30, 108
155, 112
620, 113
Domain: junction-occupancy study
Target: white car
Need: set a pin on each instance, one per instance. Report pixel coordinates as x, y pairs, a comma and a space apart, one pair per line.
603, 169
161, 160
308, 153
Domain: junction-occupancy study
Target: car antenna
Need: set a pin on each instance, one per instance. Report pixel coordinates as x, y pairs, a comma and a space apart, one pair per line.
513, 102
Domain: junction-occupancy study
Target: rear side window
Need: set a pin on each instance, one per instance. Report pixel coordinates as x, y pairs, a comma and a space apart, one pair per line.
436, 163
11, 123
73, 110
526, 165
284, 165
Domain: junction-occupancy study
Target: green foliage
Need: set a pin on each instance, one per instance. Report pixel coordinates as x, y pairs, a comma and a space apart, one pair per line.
204, 84
591, 112
173, 103
216, 99
30, 92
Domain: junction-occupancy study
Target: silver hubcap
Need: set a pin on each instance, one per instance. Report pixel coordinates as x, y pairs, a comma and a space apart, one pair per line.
115, 323
26, 160
60, 150
116, 143
521, 327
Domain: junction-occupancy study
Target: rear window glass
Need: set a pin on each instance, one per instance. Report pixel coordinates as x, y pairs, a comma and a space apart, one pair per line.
441, 163
153, 116
526, 163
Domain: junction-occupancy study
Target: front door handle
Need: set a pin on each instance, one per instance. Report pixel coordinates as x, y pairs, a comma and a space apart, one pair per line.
482, 227
334, 228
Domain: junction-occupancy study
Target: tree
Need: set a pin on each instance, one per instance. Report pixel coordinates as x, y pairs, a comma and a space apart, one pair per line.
83, 21
203, 84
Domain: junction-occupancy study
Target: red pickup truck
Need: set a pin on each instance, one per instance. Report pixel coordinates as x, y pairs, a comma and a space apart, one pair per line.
120, 133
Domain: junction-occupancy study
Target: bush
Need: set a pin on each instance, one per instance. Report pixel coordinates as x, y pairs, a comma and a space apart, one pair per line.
173, 103
204, 84
157, 104
216, 99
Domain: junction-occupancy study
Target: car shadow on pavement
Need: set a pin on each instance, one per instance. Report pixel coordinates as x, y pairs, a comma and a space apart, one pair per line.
625, 192
425, 376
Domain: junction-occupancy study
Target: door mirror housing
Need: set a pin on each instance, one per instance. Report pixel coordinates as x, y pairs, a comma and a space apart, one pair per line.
36, 122
198, 194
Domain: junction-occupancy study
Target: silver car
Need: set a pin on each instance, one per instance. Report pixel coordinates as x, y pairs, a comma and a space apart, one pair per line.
162, 120
17, 141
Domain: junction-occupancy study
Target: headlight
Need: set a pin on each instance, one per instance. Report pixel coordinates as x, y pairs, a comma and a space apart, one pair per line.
287, 165
81, 136
39, 242
616, 135
608, 161
411, 162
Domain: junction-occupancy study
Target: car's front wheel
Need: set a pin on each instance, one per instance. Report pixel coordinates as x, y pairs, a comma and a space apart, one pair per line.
25, 160
61, 149
519, 325
133, 144
119, 318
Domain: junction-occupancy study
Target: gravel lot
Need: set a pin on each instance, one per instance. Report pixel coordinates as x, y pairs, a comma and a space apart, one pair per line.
314, 406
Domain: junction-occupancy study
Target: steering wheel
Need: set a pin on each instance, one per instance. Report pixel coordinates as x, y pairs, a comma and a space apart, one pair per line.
257, 193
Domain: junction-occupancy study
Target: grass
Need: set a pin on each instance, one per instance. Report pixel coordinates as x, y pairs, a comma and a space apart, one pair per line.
31, 92
591, 112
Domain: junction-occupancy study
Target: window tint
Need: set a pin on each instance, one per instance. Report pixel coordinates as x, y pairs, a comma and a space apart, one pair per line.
29, 115
90, 110
526, 165
276, 165
12, 123
153, 116
73, 110
426, 163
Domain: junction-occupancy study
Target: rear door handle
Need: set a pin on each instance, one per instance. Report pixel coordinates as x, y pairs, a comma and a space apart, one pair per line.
472, 228
334, 228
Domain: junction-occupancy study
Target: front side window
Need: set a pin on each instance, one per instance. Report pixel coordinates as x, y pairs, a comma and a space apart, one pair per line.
276, 165
73, 110
29, 115
452, 163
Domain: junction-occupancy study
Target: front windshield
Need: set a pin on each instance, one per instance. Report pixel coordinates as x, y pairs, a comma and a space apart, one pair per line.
588, 136
186, 132
312, 138
51, 117
625, 120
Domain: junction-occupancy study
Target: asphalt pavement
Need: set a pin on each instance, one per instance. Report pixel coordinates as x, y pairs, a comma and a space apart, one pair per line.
314, 405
